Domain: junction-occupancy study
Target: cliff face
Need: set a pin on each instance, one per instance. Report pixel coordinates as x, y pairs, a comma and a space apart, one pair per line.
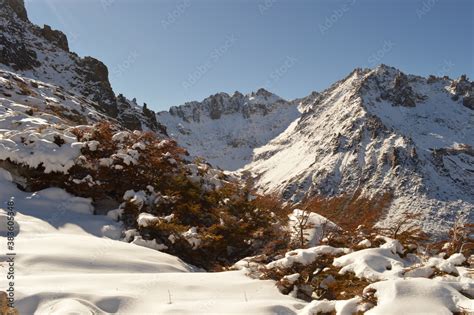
43, 54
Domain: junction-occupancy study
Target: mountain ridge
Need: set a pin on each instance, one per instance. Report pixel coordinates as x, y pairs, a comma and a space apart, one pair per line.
43, 54
379, 130
225, 129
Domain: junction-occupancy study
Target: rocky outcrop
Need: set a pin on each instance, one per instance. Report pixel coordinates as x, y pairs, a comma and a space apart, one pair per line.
18, 7
56, 37
96, 73
17, 55
463, 88
468, 101
43, 54
401, 94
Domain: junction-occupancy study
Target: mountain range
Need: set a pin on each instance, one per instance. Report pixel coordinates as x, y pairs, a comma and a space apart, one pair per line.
377, 130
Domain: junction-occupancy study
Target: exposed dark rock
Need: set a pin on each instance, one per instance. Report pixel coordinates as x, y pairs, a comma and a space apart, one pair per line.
56, 37
96, 72
17, 55
468, 101
462, 85
18, 7
432, 79
401, 94
216, 106
131, 122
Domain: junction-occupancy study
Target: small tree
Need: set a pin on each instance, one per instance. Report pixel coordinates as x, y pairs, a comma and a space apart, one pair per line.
301, 225
459, 240
406, 227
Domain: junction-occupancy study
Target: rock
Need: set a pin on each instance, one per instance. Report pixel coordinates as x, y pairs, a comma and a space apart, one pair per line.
56, 37
215, 107
97, 75
468, 101
17, 55
18, 6
462, 85
131, 122
432, 79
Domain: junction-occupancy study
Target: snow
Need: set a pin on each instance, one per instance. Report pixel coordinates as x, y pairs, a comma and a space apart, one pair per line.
365, 243
247, 122
305, 256
66, 265
343, 143
417, 296
38, 150
153, 244
193, 237
146, 219
420, 272
317, 226
447, 265
340, 307
292, 278
374, 263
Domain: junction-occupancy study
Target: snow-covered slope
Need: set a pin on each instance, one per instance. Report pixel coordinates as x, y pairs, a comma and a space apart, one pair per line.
225, 129
380, 130
69, 262
43, 54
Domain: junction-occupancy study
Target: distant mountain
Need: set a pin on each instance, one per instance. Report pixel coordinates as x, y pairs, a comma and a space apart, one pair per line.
375, 131
225, 129
43, 54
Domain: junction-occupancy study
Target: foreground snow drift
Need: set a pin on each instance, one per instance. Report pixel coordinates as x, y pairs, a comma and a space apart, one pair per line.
66, 265
418, 296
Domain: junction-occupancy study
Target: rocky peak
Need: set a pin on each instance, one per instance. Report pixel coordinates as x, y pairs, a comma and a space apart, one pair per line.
462, 85
56, 37
43, 54
305, 103
262, 92
464, 88
394, 86
217, 105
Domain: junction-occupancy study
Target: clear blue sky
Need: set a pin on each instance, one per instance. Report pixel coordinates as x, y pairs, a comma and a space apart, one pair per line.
168, 52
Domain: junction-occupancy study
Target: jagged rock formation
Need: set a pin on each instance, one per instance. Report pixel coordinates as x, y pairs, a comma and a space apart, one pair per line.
376, 131
43, 54
225, 129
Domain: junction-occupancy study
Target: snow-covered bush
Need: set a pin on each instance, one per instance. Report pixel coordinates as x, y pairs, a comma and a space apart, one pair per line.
208, 228
188, 209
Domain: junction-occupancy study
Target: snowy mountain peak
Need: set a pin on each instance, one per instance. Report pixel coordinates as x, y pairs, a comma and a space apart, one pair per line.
379, 130
226, 129
217, 105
